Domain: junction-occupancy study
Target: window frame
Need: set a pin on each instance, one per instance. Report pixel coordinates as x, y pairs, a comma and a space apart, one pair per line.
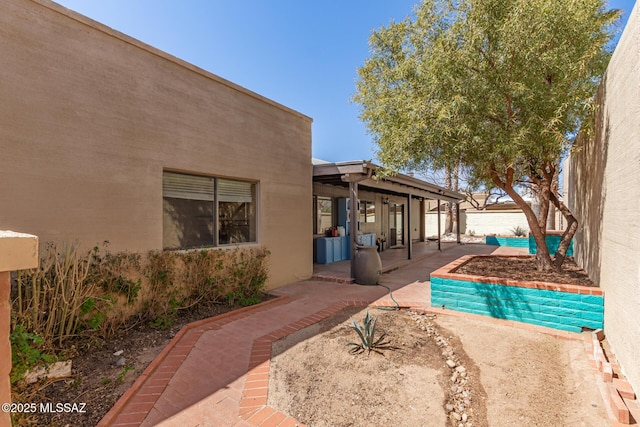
364, 205
316, 220
215, 219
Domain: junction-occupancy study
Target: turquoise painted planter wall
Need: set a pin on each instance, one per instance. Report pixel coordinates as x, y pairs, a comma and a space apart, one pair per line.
553, 242
562, 310
516, 242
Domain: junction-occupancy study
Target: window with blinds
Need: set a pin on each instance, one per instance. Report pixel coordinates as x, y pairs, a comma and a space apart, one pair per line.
201, 211
181, 186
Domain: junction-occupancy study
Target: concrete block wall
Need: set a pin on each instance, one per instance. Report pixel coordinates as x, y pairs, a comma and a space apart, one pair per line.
495, 222
604, 195
480, 223
564, 307
431, 223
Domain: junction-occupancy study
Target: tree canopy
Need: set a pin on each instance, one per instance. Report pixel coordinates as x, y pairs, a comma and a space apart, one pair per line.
496, 86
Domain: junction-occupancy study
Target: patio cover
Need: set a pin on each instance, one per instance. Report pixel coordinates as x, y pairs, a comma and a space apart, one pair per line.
363, 173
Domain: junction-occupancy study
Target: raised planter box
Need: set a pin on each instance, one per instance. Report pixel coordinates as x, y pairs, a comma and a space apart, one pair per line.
515, 242
553, 305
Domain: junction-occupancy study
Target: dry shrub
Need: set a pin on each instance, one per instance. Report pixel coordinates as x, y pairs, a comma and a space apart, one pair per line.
50, 298
100, 293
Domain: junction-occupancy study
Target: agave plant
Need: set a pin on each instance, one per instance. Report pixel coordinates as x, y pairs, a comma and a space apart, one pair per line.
366, 333
519, 231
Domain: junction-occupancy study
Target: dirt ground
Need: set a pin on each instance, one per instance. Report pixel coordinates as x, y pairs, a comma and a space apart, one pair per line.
99, 377
496, 376
525, 269
531, 379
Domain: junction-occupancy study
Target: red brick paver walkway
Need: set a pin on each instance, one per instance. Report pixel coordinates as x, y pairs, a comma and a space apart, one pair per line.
215, 372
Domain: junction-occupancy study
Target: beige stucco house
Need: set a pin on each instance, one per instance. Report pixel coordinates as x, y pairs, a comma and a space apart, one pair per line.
103, 137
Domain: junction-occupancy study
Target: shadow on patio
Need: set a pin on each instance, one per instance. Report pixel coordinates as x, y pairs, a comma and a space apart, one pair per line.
391, 259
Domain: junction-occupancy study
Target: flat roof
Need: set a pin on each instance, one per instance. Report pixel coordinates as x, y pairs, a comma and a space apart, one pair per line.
364, 172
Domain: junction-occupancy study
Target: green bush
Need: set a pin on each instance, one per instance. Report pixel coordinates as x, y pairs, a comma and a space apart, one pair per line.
26, 352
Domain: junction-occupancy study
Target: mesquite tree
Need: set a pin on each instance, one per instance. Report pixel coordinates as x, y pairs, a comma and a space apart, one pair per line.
499, 86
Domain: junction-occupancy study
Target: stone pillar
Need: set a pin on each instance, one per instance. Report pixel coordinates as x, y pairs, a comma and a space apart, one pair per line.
18, 251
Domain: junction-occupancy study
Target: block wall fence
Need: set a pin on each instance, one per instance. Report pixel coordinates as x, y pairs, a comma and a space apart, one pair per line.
603, 191
479, 223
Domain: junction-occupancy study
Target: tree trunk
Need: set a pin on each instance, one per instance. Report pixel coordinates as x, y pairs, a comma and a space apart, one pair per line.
448, 228
452, 182
569, 232
451, 218
543, 259
537, 224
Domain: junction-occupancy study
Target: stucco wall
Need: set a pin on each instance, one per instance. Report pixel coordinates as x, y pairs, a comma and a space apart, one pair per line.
604, 194
431, 223
480, 223
90, 118
493, 222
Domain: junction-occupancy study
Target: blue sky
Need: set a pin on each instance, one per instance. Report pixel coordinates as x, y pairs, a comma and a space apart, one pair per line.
303, 54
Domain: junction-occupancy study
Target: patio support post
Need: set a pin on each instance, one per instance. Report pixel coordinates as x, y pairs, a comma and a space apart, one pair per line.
422, 219
353, 179
439, 248
409, 232
353, 219
458, 221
